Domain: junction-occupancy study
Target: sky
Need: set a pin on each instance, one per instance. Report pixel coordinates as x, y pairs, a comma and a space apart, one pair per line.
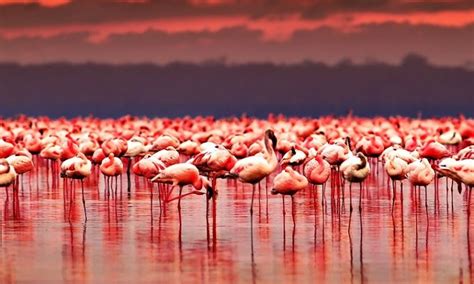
238, 31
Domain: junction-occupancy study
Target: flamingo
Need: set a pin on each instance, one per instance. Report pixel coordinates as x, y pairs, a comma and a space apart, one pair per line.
180, 175
289, 182
395, 168
465, 153
78, 167
294, 157
32, 143
164, 141
433, 150
69, 149
355, 169
21, 162
52, 154
135, 147
98, 156
111, 167
6, 148
215, 162
420, 173
371, 146
117, 146
255, 168
148, 167
169, 156
336, 153
88, 146
239, 150
7, 175
451, 137
461, 171
316, 170
188, 148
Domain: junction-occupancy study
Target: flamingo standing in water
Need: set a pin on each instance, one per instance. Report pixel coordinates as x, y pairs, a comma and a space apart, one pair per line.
69, 149
433, 151
78, 167
7, 175
317, 170
395, 168
135, 147
21, 162
336, 153
188, 148
180, 175
255, 168
111, 167
52, 154
295, 157
169, 156
419, 173
355, 169
148, 167
6, 148
98, 156
461, 171
289, 182
215, 162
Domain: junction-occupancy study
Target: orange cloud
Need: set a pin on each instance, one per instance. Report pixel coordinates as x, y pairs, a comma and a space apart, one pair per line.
273, 29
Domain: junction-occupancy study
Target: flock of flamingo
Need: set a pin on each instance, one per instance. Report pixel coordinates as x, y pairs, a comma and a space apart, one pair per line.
290, 154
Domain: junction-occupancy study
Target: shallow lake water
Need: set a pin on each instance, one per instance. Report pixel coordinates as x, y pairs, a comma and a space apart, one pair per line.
127, 238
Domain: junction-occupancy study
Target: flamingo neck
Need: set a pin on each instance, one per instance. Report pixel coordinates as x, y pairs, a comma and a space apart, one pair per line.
270, 154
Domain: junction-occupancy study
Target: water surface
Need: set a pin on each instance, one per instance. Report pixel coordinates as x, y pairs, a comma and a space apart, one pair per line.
43, 236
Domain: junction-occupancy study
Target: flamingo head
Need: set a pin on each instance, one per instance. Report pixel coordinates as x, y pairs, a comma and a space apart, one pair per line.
203, 182
348, 142
269, 134
210, 191
363, 160
287, 157
4, 166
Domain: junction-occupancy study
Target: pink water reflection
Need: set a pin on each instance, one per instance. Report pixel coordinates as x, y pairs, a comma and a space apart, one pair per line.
127, 237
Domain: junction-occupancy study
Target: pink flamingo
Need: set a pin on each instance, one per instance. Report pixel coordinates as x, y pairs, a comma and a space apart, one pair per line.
255, 168
21, 162
215, 162
355, 169
78, 167
317, 171
148, 167
180, 175
7, 175
289, 182
419, 173
6, 148
395, 168
111, 167
433, 150
295, 157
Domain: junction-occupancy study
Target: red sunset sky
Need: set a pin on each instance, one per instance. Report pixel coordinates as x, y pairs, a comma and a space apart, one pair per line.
121, 31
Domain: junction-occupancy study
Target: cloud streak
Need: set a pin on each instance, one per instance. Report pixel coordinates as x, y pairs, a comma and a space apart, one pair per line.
98, 12
383, 42
279, 30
